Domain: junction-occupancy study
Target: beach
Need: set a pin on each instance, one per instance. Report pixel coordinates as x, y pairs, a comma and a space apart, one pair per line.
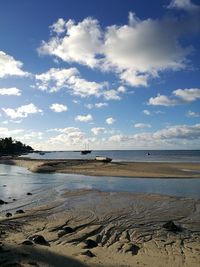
87, 227
116, 169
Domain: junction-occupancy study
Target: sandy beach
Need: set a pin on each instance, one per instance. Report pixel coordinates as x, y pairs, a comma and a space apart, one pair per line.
116, 169
91, 228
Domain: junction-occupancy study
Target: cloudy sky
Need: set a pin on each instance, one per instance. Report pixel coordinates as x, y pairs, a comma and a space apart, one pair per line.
114, 74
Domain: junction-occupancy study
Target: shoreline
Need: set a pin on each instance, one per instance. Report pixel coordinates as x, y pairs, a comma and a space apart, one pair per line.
114, 169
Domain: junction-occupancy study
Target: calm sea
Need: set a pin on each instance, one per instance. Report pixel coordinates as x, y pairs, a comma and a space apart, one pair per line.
126, 155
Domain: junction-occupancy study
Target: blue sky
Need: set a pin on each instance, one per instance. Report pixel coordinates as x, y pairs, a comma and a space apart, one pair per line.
112, 74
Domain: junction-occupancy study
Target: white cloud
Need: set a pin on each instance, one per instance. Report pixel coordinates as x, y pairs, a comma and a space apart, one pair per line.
136, 52
9, 66
69, 137
10, 91
142, 125
171, 137
84, 118
179, 132
162, 100
183, 4
58, 107
180, 96
110, 120
101, 104
188, 95
59, 26
5, 132
146, 112
81, 43
21, 112
111, 95
192, 114
55, 79
98, 130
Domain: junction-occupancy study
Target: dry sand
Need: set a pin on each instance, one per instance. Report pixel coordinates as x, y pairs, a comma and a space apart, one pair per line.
122, 169
127, 228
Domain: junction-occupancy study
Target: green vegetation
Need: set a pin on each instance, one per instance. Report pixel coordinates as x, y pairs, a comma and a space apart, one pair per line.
8, 146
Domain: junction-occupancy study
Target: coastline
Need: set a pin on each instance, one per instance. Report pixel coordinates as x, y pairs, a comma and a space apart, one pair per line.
114, 169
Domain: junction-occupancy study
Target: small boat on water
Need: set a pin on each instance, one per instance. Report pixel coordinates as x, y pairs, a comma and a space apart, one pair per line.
103, 159
41, 153
85, 152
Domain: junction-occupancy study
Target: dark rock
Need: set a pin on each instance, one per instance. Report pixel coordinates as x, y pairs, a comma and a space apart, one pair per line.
19, 211
4, 185
29, 194
90, 243
172, 227
68, 229
27, 242
2, 202
65, 230
88, 253
14, 199
39, 239
8, 214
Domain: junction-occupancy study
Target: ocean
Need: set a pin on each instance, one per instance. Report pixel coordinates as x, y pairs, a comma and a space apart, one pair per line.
126, 155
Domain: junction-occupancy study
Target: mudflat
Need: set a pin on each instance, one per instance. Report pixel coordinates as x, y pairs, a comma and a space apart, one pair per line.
122, 169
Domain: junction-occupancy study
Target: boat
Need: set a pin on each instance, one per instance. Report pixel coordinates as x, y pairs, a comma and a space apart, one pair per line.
103, 159
85, 152
41, 153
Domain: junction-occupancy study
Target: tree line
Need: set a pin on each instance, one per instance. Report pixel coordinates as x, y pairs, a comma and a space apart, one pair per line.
8, 146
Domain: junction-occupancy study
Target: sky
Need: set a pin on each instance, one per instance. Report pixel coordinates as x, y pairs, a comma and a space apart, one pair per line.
108, 74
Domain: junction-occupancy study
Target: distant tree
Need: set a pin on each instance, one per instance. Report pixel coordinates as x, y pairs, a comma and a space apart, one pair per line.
8, 146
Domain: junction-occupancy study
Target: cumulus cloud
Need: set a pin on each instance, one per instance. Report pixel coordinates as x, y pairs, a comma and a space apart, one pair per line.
179, 96
10, 91
162, 100
58, 107
111, 95
10, 66
192, 114
81, 43
183, 4
68, 136
136, 51
84, 118
188, 95
171, 136
142, 125
21, 112
5, 132
110, 120
98, 130
55, 79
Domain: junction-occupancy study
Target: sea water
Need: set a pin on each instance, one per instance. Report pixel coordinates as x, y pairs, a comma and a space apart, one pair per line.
16, 182
126, 155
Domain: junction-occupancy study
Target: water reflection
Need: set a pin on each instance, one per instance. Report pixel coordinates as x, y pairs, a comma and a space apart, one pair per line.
19, 181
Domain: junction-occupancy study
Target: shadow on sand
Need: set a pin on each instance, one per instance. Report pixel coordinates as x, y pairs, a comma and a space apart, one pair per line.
34, 256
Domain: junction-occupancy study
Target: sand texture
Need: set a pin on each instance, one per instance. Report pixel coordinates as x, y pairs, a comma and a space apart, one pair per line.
91, 228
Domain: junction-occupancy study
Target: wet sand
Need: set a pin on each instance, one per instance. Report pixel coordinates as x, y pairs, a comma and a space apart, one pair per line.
116, 169
126, 228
